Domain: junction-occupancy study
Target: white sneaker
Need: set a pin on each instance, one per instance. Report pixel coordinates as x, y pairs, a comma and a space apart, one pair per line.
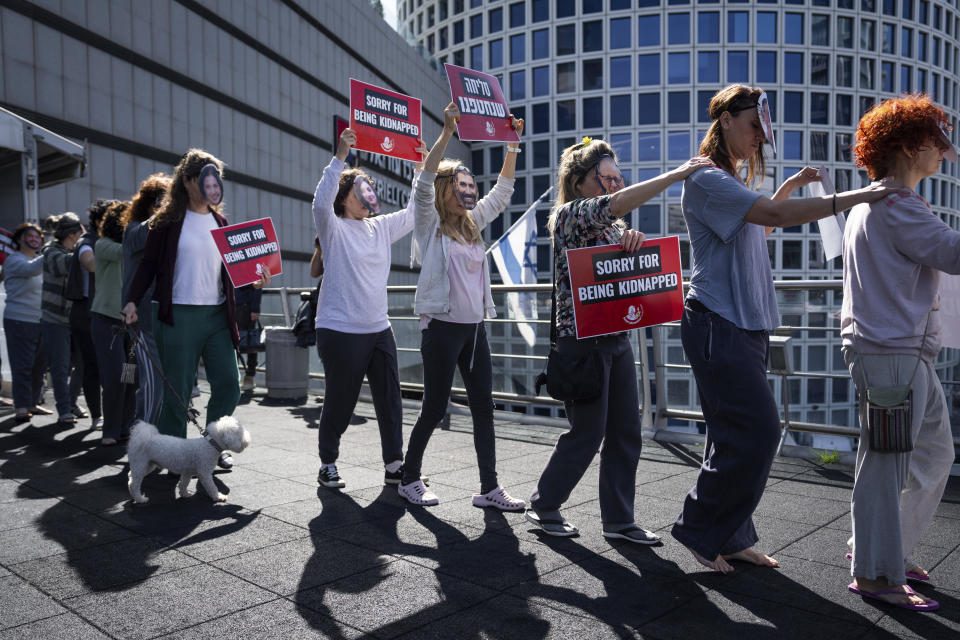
499, 499
417, 493
248, 384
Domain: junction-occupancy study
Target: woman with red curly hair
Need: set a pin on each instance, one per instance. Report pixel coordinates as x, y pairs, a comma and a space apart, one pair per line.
893, 252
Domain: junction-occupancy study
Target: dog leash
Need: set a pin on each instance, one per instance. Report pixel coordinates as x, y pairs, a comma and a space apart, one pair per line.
132, 332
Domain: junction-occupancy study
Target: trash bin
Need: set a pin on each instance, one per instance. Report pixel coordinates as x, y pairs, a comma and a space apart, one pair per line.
288, 366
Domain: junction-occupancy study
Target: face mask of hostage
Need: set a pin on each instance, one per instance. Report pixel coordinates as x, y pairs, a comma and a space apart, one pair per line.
465, 186
763, 111
211, 185
366, 194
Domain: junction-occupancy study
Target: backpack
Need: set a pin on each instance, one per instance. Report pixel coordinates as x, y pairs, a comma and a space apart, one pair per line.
305, 320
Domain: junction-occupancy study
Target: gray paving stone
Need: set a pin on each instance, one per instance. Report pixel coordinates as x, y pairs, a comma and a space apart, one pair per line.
268, 493
278, 619
736, 616
169, 602
293, 566
214, 539
21, 603
113, 566
12, 491
601, 588
392, 599
68, 626
805, 509
23, 512
60, 527
508, 616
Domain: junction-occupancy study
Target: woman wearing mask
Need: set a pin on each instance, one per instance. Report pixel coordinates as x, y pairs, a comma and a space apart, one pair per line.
730, 309
893, 252
354, 337
591, 201
453, 298
23, 280
194, 295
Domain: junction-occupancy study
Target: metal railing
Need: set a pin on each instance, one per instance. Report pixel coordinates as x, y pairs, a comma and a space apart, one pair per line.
656, 416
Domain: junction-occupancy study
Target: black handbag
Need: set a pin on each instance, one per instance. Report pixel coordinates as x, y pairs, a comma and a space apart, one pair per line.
569, 377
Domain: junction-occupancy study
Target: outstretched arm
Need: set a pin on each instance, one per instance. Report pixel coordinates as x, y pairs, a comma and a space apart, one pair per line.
629, 198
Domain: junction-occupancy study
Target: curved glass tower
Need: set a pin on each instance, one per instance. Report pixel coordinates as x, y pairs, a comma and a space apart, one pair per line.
640, 73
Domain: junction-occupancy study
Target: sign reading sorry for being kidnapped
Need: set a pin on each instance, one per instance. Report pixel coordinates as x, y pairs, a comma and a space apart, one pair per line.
616, 291
246, 248
483, 111
386, 122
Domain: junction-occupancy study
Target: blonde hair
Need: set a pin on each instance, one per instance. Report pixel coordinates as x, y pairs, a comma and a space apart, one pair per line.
734, 98
576, 163
461, 228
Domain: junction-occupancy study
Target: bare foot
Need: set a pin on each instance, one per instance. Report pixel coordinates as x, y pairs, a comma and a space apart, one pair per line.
753, 557
873, 586
918, 570
719, 564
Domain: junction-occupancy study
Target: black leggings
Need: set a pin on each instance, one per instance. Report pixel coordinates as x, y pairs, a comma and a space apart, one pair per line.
444, 347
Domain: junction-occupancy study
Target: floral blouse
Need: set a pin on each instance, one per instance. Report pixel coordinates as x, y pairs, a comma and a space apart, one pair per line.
585, 222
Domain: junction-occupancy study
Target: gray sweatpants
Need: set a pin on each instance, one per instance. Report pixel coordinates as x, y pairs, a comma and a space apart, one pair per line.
896, 494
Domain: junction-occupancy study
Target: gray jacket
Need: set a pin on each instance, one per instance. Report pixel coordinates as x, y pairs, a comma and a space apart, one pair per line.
431, 249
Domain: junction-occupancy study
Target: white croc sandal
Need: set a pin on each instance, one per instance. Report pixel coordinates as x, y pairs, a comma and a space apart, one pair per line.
498, 499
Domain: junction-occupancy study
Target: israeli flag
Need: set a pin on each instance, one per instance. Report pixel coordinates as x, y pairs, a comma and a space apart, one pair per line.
515, 255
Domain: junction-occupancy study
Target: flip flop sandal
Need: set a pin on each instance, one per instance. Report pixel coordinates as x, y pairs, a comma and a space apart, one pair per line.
551, 526
930, 605
911, 575
634, 534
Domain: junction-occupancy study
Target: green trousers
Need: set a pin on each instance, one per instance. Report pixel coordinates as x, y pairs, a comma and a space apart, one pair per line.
199, 330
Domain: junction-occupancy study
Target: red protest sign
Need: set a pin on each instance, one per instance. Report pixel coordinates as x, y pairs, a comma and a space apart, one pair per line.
617, 291
386, 122
246, 248
483, 111
6, 244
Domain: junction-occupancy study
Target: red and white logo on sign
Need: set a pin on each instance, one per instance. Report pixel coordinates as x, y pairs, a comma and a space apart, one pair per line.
634, 315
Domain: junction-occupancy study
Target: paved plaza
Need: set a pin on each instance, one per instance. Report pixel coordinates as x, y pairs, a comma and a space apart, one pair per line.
284, 559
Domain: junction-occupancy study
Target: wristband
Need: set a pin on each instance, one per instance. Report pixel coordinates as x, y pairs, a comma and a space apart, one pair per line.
834, 204
513, 148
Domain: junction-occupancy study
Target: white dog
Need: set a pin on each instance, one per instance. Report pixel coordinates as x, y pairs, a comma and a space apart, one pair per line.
149, 450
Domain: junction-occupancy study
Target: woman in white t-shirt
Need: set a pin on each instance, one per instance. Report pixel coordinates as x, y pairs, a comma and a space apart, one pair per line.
194, 294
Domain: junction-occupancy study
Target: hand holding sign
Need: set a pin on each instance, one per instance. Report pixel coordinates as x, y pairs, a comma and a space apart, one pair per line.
264, 280
631, 240
348, 139
517, 124
451, 117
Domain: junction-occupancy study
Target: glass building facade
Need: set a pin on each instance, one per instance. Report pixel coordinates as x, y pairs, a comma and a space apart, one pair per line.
640, 74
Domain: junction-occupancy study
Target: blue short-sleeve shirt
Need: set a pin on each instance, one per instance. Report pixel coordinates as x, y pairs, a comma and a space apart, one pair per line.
731, 267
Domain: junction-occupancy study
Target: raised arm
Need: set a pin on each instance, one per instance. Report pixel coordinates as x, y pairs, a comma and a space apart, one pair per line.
629, 198
451, 116
326, 192
510, 158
